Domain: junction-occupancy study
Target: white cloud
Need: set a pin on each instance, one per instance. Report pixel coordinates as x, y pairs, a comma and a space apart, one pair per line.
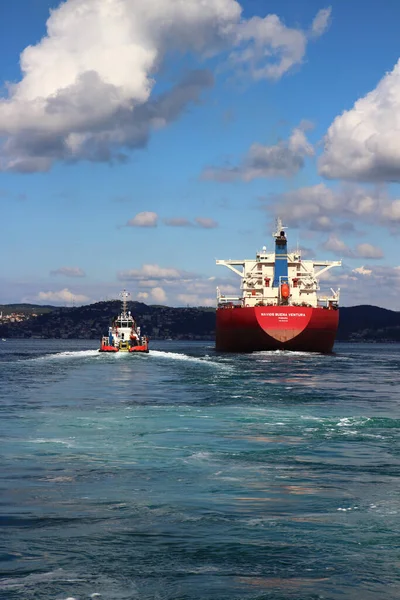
340, 248
202, 222
158, 294
306, 253
369, 251
363, 271
195, 300
64, 296
363, 143
206, 223
69, 272
179, 286
144, 219
154, 272
391, 212
191, 299
208, 302
142, 296
321, 22
376, 285
149, 283
323, 209
86, 87
337, 246
260, 37
283, 159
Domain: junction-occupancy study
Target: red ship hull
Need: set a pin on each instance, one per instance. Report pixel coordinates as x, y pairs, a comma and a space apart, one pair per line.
259, 328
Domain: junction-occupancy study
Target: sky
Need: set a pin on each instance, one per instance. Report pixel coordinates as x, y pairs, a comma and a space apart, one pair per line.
141, 141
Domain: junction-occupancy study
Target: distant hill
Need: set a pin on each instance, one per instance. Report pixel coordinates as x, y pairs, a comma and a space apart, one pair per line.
91, 321
369, 324
357, 323
27, 309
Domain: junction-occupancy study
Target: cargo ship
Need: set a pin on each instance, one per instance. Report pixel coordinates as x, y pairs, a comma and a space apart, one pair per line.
279, 307
124, 334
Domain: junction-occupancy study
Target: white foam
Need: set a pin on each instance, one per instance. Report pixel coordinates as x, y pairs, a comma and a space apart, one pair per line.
186, 358
286, 353
200, 456
37, 578
69, 354
349, 421
177, 356
69, 443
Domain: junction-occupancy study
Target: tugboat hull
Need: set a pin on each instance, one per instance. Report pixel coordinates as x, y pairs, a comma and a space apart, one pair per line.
135, 349
139, 349
108, 349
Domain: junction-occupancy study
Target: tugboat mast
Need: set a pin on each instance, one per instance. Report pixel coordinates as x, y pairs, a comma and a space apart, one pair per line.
124, 295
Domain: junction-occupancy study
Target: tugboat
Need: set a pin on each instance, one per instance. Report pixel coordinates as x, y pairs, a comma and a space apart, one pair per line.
124, 335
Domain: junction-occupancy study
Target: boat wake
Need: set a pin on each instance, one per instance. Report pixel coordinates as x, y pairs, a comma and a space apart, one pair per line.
287, 353
201, 360
67, 354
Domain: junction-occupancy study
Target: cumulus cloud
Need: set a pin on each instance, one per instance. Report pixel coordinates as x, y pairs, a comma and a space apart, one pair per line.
369, 251
206, 223
86, 90
202, 222
376, 285
340, 248
194, 300
362, 271
307, 253
149, 271
321, 208
158, 294
283, 159
362, 143
69, 272
179, 286
321, 22
188, 298
142, 296
391, 212
64, 296
144, 219
337, 246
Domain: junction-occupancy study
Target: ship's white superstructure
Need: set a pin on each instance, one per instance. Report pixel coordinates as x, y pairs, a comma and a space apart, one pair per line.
263, 285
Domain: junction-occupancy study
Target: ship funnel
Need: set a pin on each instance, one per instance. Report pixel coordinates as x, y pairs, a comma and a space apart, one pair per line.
281, 258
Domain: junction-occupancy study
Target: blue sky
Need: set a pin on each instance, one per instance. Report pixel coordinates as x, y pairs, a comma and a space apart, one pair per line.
120, 128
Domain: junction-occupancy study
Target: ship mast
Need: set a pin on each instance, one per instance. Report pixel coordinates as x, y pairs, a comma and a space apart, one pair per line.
124, 295
279, 228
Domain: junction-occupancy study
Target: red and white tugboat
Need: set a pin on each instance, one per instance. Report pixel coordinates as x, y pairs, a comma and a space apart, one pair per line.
124, 335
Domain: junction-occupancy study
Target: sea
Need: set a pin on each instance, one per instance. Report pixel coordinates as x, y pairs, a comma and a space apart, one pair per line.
186, 474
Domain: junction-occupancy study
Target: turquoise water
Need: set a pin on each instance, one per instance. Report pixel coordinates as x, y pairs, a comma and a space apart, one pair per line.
188, 475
